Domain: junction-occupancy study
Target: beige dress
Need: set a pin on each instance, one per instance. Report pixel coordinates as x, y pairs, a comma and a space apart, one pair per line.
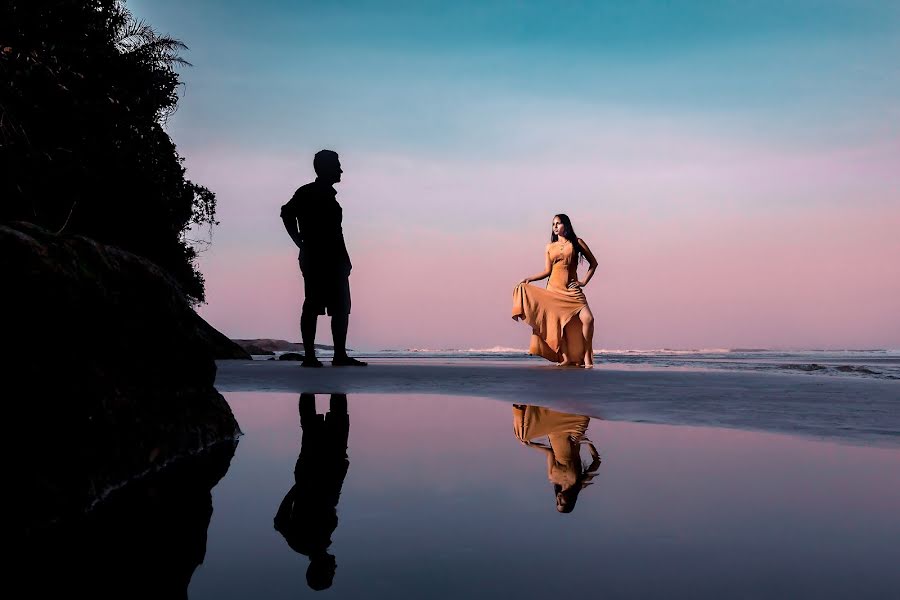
565, 432
553, 312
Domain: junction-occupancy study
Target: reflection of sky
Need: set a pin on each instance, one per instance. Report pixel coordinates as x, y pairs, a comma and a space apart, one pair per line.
441, 500
731, 164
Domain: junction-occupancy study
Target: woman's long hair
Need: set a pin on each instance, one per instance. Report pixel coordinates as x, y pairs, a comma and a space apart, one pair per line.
584, 478
569, 235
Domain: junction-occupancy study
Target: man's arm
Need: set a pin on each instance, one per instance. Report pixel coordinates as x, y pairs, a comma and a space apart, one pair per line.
346, 255
290, 224
289, 218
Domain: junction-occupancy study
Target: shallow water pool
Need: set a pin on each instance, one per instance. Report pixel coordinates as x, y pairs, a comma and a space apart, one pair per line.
415, 496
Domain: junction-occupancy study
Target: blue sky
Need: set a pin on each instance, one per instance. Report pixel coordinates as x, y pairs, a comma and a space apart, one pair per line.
432, 74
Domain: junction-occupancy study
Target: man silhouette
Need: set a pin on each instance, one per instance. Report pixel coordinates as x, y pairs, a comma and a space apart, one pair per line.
313, 218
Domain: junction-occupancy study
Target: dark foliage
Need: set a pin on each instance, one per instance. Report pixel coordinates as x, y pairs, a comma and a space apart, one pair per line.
84, 92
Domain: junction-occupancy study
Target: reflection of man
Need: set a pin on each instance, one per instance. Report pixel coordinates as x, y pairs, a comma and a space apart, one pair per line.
307, 516
313, 218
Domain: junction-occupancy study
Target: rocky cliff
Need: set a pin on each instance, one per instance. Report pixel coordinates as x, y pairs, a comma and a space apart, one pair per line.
124, 386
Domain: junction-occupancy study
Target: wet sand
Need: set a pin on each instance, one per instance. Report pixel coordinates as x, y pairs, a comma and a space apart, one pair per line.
850, 409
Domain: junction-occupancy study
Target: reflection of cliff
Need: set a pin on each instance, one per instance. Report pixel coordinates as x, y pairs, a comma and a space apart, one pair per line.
565, 434
145, 541
307, 517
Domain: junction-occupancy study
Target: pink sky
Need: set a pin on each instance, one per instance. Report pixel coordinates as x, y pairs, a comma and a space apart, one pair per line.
703, 242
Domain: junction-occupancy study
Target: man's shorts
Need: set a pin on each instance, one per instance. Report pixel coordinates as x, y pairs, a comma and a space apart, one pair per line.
329, 294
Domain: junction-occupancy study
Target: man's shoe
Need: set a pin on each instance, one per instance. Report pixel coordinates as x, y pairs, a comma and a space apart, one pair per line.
346, 361
312, 362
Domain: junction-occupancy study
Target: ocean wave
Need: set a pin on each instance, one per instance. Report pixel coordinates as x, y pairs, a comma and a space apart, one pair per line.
662, 351
497, 349
879, 364
686, 352
493, 350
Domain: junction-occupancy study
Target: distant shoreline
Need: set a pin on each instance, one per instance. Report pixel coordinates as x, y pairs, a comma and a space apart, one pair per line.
868, 364
264, 346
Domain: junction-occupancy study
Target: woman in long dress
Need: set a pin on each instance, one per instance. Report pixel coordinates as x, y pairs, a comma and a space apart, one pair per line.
561, 320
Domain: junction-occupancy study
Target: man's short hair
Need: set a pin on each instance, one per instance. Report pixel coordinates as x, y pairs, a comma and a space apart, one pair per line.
324, 159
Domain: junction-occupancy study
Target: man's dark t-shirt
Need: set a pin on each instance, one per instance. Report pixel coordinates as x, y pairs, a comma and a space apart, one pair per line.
318, 216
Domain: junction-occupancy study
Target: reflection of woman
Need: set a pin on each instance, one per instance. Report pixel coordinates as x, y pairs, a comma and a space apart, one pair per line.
566, 433
561, 321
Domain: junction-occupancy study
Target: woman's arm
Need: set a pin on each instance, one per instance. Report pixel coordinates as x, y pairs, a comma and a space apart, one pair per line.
547, 269
538, 446
592, 262
595, 456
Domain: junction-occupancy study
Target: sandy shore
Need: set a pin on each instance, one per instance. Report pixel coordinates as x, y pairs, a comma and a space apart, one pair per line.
843, 408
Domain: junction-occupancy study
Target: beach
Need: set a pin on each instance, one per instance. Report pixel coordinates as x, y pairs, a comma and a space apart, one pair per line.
448, 478
693, 206
705, 483
845, 408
